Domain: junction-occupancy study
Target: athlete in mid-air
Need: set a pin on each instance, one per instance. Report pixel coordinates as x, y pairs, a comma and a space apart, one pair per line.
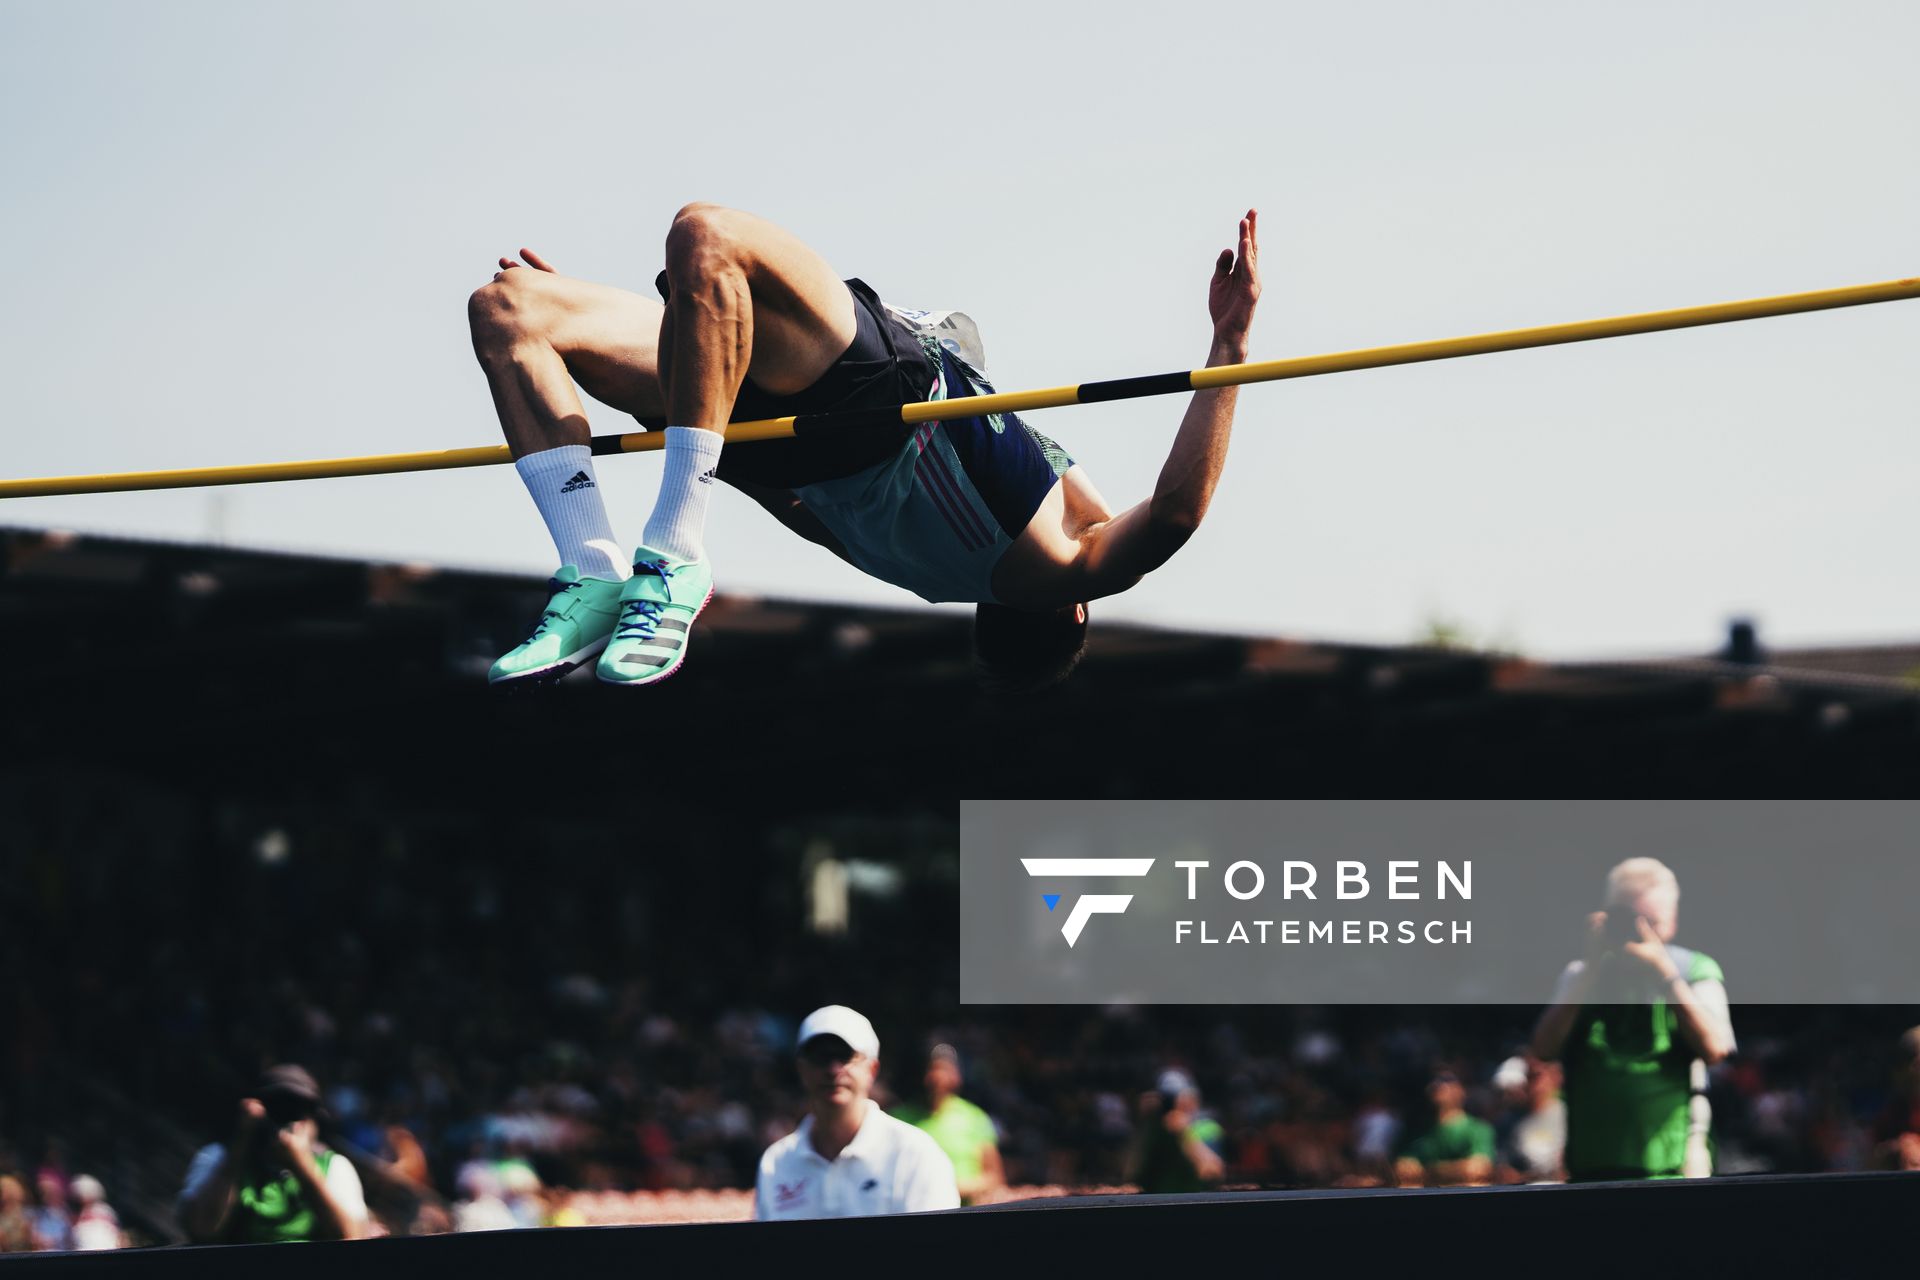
757, 325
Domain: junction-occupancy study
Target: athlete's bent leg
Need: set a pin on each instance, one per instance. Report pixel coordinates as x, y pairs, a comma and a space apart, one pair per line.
535, 333
745, 298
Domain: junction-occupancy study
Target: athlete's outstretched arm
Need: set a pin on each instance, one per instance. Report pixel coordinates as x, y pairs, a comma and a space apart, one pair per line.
1144, 537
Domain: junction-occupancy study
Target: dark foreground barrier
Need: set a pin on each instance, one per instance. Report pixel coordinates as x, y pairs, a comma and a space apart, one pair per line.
1830, 1224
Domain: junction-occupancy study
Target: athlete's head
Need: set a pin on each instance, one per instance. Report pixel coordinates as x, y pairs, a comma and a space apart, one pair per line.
1021, 651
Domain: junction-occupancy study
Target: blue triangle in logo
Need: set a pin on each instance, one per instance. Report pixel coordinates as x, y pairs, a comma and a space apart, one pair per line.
1051, 899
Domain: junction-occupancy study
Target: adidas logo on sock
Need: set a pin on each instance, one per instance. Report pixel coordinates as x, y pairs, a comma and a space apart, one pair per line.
580, 481
706, 477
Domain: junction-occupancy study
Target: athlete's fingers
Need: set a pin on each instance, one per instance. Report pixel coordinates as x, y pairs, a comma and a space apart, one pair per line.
1223, 265
535, 261
508, 264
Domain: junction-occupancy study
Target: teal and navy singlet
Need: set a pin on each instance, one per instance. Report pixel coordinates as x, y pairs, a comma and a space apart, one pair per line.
930, 508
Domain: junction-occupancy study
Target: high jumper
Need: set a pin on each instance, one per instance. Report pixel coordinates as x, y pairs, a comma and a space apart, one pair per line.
978, 508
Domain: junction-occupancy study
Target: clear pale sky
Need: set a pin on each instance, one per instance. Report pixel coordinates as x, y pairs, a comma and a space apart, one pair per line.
242, 232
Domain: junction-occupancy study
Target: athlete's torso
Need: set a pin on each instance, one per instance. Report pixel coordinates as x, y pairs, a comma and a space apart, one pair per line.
939, 514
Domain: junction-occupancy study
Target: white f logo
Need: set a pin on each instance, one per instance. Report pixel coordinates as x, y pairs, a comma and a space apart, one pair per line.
1090, 904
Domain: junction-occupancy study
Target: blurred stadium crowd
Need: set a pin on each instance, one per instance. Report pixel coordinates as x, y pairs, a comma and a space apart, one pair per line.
583, 1022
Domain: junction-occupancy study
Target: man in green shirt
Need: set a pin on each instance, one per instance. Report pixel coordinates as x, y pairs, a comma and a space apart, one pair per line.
1177, 1146
1635, 1024
275, 1181
963, 1130
1457, 1151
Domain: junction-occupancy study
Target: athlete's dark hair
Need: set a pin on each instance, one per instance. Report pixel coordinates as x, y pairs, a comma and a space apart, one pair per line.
1018, 651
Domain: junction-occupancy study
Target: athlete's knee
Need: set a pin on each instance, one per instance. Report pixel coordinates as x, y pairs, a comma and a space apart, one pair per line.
502, 312
702, 223
704, 245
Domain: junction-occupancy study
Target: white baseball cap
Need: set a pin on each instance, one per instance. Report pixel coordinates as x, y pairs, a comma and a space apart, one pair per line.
838, 1020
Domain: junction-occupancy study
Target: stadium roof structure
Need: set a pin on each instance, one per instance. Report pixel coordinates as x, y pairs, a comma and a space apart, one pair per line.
248, 663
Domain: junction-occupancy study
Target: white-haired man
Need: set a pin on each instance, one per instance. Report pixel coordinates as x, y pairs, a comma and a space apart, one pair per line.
848, 1158
1635, 1024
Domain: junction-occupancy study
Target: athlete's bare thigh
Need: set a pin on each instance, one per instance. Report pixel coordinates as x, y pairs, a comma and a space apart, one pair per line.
611, 339
803, 317
608, 337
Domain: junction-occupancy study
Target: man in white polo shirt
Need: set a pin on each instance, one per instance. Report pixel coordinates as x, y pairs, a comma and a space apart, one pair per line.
848, 1158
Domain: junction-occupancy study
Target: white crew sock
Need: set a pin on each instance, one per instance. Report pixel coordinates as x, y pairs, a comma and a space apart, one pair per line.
564, 488
679, 521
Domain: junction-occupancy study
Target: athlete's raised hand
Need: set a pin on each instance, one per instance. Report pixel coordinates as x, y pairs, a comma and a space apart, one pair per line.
1236, 285
534, 260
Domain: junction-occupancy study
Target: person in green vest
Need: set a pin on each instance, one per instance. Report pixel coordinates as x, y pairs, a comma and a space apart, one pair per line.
1457, 1151
1177, 1146
1635, 1024
963, 1130
275, 1181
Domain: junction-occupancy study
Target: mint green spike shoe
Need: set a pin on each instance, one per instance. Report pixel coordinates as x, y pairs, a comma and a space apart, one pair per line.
576, 625
657, 609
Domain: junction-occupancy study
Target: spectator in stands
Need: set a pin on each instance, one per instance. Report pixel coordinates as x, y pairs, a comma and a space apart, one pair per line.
409, 1157
1896, 1133
96, 1226
963, 1130
1635, 1024
16, 1228
561, 1209
52, 1222
483, 1204
1456, 1151
1176, 1146
276, 1180
848, 1158
1533, 1140
1375, 1136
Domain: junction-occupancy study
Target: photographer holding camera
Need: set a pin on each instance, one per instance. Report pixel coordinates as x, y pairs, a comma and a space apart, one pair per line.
1635, 1024
276, 1181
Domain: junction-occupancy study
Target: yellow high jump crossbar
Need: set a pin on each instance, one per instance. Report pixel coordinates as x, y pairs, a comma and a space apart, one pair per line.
1228, 375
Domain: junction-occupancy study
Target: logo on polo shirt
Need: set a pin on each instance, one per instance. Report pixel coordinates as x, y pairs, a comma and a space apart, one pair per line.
1090, 904
788, 1194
